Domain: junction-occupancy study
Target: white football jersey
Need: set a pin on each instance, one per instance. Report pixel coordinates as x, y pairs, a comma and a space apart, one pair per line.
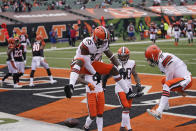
172, 66
98, 87
95, 53
128, 68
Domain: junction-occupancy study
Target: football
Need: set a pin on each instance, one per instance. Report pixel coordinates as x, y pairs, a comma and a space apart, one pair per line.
71, 122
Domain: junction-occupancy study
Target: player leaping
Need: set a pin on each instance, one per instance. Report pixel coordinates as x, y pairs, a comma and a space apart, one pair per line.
178, 78
86, 61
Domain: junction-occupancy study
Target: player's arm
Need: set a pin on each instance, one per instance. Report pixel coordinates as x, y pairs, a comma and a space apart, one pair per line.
137, 79
81, 80
112, 57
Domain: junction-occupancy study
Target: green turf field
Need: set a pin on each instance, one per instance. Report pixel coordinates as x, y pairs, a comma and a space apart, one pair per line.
62, 58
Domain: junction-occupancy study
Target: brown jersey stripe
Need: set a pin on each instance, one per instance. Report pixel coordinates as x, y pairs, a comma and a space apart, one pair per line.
117, 79
74, 70
166, 60
85, 47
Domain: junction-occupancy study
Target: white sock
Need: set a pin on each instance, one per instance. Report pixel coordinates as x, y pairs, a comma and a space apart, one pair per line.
126, 120
122, 83
51, 78
74, 75
99, 121
163, 103
31, 80
88, 122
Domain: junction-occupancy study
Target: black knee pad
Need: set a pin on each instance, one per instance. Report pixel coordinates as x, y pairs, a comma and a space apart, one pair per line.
49, 72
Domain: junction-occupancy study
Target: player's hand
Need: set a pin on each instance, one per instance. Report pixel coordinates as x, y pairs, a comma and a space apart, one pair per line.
97, 77
131, 94
68, 89
139, 87
91, 86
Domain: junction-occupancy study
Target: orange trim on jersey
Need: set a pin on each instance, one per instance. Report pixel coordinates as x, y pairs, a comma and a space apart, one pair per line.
117, 79
123, 100
166, 60
95, 103
85, 47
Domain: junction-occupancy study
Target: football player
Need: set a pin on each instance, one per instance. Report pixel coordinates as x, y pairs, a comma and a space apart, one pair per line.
153, 32
18, 53
24, 40
95, 101
129, 65
13, 71
176, 27
189, 29
38, 59
86, 61
177, 79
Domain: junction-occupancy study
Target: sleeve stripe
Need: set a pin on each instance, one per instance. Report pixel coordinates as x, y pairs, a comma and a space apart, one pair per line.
83, 45
166, 60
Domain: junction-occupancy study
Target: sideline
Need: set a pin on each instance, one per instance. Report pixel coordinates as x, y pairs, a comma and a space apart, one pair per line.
113, 44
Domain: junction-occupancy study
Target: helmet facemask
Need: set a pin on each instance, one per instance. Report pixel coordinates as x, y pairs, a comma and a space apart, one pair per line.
123, 58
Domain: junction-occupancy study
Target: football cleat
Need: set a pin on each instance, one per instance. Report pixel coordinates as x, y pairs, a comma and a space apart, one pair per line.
17, 86
154, 113
53, 81
68, 89
85, 129
31, 84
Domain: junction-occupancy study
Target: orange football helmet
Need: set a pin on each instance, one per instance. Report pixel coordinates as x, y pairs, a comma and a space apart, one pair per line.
16, 41
152, 54
123, 54
100, 35
11, 40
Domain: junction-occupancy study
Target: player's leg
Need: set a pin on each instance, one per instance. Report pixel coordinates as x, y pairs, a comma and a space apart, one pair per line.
34, 64
44, 64
126, 105
9, 72
92, 105
13, 69
75, 69
100, 110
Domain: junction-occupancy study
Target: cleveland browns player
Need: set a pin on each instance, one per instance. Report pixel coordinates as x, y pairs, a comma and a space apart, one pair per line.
177, 79
12, 68
176, 27
86, 61
38, 59
189, 29
153, 32
129, 65
95, 101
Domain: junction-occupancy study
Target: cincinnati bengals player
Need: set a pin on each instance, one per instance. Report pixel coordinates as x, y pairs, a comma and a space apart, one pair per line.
38, 59
189, 29
12, 68
86, 61
95, 101
176, 27
153, 32
129, 65
18, 53
178, 78
24, 40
